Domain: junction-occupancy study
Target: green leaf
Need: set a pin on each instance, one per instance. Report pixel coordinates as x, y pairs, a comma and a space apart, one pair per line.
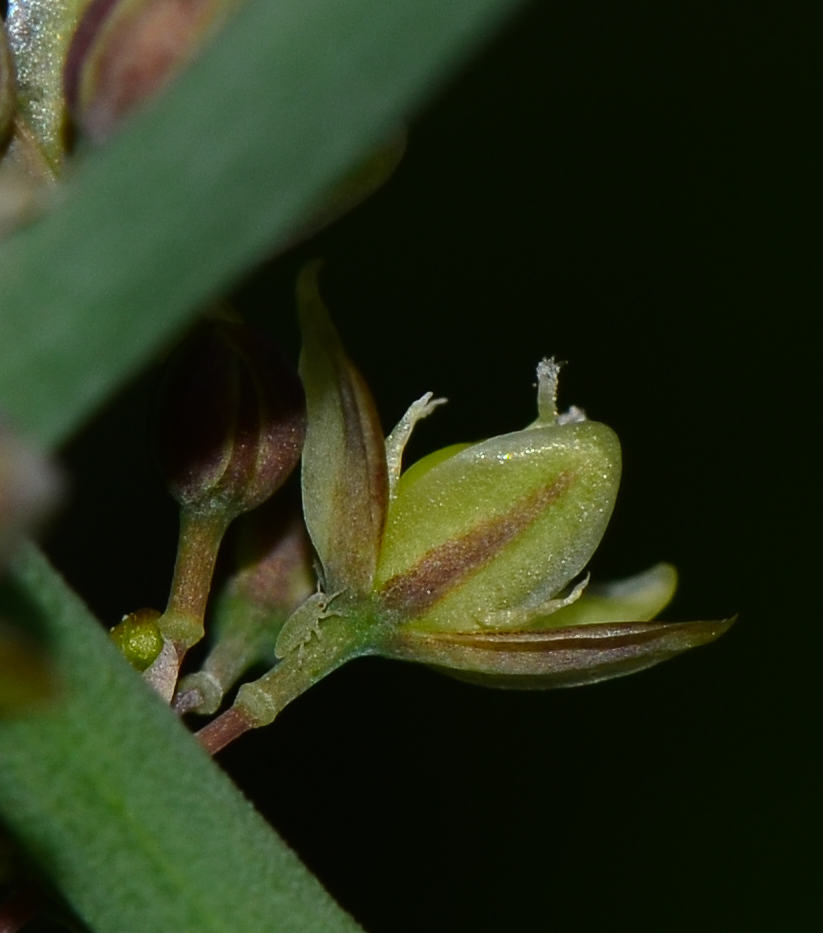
210, 179
124, 811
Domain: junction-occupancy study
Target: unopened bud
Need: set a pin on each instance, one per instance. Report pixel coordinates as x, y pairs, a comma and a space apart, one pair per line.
231, 422
124, 51
27, 676
486, 536
138, 636
8, 92
482, 546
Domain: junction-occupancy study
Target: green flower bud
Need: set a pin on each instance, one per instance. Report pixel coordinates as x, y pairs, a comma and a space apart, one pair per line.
482, 545
488, 537
231, 422
124, 51
138, 636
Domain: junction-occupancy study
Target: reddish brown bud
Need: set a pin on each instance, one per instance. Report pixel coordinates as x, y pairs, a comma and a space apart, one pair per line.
124, 51
7, 89
232, 420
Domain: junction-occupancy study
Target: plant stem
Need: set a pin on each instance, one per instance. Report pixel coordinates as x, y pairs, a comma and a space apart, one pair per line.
223, 730
200, 535
334, 640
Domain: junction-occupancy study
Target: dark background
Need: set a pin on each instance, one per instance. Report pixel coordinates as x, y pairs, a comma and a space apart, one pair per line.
635, 188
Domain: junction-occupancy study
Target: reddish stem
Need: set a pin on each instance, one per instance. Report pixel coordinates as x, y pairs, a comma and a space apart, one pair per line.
221, 731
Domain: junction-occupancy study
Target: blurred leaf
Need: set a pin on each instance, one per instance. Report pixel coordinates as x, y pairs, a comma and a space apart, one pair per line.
124, 811
205, 182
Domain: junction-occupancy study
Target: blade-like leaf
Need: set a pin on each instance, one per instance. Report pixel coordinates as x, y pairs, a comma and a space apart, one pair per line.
124, 811
207, 181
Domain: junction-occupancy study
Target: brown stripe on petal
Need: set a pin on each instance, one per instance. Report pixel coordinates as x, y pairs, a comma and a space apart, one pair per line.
362, 488
540, 660
449, 565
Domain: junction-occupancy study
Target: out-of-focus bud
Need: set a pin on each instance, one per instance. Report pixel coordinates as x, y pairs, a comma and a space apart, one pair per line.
345, 476
359, 184
26, 674
138, 636
8, 92
231, 421
30, 488
124, 51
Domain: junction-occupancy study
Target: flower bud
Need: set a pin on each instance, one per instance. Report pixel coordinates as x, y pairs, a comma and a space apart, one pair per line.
138, 636
486, 536
482, 544
124, 51
232, 420
27, 675
8, 93
355, 187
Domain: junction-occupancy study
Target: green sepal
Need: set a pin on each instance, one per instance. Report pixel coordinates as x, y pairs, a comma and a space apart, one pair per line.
635, 599
541, 660
345, 477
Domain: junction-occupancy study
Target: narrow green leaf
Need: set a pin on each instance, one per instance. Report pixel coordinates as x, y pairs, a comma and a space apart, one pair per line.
206, 182
122, 808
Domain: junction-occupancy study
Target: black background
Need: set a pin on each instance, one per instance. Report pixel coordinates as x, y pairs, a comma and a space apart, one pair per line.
635, 188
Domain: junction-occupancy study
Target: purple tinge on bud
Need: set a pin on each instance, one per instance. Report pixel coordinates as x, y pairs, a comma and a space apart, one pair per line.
7, 85
345, 476
124, 51
561, 657
232, 419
